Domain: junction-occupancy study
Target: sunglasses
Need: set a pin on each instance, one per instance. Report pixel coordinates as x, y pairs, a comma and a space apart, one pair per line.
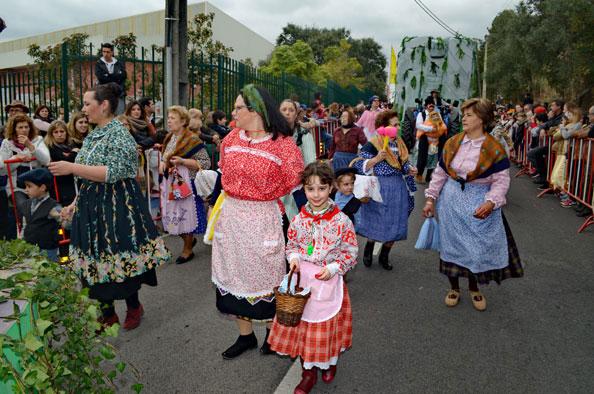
238, 107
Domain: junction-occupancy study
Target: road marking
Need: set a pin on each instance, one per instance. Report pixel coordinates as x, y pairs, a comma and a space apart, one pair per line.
291, 379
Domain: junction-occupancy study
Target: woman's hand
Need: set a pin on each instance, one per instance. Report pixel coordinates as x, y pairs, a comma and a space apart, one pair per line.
381, 156
324, 274
294, 265
413, 171
24, 140
177, 161
429, 208
484, 210
23, 157
59, 168
162, 166
67, 213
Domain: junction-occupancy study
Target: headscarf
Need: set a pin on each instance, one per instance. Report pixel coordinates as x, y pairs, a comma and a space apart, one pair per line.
252, 97
492, 158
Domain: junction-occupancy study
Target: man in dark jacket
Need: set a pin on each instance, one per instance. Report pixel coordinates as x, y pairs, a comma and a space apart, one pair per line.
109, 69
538, 156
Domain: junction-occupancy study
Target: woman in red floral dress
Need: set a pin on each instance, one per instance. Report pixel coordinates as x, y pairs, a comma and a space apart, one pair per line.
260, 163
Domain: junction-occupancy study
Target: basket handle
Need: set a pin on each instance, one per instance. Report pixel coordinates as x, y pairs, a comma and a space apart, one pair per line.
290, 277
359, 159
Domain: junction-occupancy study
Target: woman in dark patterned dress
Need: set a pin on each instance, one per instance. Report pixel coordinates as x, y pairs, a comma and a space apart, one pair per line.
114, 245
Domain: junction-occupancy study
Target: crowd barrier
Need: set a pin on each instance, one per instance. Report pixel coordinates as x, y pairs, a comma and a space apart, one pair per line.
578, 180
318, 134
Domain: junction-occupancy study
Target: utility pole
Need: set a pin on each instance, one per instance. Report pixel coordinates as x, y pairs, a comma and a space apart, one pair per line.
485, 68
176, 56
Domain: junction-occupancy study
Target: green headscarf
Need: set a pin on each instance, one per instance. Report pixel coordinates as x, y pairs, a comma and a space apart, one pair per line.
252, 97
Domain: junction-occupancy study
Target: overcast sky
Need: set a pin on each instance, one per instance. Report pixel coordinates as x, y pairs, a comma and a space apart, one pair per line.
387, 22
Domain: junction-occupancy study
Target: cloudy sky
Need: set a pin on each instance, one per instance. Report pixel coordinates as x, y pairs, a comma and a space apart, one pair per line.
387, 22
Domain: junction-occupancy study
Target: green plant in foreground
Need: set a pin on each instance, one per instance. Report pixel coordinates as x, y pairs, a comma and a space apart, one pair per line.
56, 346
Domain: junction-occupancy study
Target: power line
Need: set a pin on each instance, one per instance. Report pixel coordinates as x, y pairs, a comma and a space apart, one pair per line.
439, 19
436, 18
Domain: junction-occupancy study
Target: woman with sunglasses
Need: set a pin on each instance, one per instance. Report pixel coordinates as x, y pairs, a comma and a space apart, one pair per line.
260, 163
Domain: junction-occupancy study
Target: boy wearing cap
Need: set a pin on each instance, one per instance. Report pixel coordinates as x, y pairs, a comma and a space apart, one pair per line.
42, 213
344, 198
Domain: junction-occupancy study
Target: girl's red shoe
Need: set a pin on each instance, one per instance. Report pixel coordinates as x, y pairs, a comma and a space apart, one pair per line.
328, 374
309, 377
133, 317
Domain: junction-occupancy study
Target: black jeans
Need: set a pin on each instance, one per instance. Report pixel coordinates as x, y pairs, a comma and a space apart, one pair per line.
538, 158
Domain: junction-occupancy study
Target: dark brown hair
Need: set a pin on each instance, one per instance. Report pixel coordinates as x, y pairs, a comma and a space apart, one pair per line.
348, 174
351, 115
319, 169
383, 119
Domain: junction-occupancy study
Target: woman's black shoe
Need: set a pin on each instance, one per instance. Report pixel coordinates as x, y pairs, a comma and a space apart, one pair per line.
368, 254
243, 343
383, 258
182, 260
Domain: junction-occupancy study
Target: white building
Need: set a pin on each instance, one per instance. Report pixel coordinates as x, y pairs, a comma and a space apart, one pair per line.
149, 29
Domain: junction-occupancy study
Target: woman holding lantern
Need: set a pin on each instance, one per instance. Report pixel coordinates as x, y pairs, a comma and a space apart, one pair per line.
386, 157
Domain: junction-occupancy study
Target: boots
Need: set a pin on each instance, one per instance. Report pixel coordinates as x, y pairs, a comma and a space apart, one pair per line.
133, 317
368, 254
328, 374
309, 377
383, 258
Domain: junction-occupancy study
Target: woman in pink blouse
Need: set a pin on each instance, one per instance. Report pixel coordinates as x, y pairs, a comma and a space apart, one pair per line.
469, 187
260, 163
367, 121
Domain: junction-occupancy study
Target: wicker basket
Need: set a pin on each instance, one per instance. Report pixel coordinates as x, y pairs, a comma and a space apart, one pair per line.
289, 307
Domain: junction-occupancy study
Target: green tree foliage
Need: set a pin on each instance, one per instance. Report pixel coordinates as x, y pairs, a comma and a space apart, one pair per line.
52, 56
200, 36
543, 45
296, 59
341, 68
366, 50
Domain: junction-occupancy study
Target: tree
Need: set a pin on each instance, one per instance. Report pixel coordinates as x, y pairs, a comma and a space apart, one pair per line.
366, 50
341, 68
544, 46
200, 37
296, 59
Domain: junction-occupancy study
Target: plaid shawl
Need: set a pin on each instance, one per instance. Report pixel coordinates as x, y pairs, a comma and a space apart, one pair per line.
186, 146
391, 158
492, 158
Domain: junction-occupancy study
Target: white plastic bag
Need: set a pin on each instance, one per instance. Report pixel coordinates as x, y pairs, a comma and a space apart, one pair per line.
367, 187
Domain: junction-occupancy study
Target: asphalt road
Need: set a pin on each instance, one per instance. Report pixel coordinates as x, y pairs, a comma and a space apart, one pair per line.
536, 336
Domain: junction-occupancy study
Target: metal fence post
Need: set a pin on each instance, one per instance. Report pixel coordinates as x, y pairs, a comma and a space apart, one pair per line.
65, 81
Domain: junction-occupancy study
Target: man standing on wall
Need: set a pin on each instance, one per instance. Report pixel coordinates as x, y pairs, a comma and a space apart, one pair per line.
109, 69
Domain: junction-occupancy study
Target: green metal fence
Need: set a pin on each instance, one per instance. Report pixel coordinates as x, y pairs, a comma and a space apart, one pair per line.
214, 81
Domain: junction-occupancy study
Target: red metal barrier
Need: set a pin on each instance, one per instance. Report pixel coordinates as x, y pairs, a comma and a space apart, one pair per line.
579, 172
551, 158
318, 134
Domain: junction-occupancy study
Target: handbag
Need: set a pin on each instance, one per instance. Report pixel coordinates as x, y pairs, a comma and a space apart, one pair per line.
179, 187
204, 181
429, 236
366, 187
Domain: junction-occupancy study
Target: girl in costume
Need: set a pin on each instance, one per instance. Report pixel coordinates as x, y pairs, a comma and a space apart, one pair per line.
387, 221
259, 163
470, 185
323, 247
